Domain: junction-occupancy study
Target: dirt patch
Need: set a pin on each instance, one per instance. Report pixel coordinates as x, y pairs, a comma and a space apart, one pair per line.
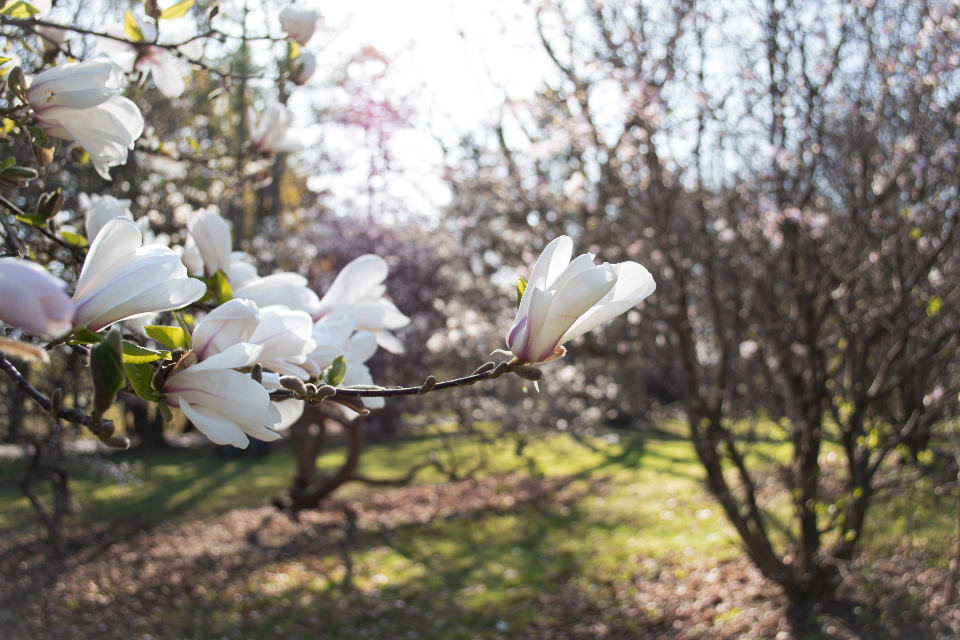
230, 576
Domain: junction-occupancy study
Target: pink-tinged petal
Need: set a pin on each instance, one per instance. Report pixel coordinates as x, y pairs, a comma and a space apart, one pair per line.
31, 298
538, 312
230, 323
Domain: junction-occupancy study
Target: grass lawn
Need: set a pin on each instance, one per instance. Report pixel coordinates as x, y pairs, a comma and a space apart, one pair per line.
436, 561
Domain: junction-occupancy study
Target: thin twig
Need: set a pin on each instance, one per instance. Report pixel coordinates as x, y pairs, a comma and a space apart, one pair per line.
283, 394
76, 416
77, 252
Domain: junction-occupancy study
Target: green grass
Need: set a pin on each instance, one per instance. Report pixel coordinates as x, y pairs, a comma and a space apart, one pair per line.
642, 500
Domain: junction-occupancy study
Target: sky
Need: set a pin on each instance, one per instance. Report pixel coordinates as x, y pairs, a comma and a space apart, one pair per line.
456, 61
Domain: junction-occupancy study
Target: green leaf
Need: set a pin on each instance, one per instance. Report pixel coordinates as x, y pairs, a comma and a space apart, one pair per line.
194, 145
140, 375
221, 285
34, 219
19, 9
9, 162
333, 375
186, 330
131, 29
170, 337
294, 50
108, 378
39, 136
177, 10
934, 304
85, 336
74, 238
135, 354
521, 287
164, 410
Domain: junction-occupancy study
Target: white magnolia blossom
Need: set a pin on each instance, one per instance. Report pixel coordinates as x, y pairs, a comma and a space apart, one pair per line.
122, 279
565, 299
242, 269
99, 210
284, 288
332, 336
300, 23
33, 299
303, 68
211, 233
286, 338
225, 405
190, 256
270, 133
358, 290
284, 334
81, 101
231, 323
159, 62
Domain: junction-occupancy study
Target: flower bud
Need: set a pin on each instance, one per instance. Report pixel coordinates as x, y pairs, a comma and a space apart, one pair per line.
427, 386
294, 384
17, 83
43, 155
528, 372
56, 401
50, 204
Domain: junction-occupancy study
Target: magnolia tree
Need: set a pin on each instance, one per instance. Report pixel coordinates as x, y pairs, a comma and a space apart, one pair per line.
168, 308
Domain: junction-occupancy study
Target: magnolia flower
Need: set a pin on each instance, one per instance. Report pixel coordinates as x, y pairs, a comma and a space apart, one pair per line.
285, 335
242, 270
33, 299
225, 405
231, 323
81, 101
99, 210
358, 290
332, 337
121, 279
190, 256
212, 235
270, 133
159, 62
284, 288
564, 299
299, 23
286, 338
302, 68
